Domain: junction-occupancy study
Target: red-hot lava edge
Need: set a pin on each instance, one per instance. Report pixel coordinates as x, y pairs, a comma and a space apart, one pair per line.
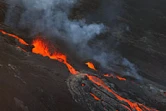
41, 47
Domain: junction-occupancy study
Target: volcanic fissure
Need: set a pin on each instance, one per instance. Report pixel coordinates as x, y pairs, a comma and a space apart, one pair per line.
41, 47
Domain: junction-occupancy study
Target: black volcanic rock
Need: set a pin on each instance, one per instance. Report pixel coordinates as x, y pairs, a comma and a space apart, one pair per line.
139, 29
30, 82
147, 94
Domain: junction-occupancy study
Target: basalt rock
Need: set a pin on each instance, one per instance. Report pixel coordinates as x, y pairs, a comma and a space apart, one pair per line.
96, 98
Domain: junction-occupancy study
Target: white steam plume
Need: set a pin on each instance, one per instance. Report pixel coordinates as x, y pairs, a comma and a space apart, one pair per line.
51, 17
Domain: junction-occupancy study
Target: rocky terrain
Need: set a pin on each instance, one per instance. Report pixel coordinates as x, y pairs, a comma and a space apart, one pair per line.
31, 82
28, 84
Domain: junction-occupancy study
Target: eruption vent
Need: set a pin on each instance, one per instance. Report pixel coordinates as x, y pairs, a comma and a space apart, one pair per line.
42, 47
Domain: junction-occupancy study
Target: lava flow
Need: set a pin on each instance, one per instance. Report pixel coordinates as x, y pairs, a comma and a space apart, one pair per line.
42, 47
133, 105
115, 76
14, 36
91, 66
95, 97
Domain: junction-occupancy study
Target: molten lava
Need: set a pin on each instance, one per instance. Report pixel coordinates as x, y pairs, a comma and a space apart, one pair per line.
95, 97
115, 76
126, 107
133, 105
14, 36
41, 47
91, 66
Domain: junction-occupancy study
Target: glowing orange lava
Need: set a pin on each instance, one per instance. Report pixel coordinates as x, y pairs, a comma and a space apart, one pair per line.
126, 107
95, 97
42, 47
115, 76
121, 78
133, 105
14, 36
91, 66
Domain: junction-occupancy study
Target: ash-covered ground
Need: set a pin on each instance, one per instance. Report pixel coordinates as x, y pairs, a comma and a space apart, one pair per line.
124, 37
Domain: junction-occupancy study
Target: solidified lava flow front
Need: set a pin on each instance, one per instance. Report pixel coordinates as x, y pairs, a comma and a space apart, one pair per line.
41, 47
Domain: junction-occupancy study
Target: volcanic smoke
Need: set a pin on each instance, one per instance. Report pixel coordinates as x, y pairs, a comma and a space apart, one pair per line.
41, 47
52, 19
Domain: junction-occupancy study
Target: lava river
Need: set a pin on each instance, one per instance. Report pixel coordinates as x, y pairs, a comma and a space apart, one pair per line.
41, 47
